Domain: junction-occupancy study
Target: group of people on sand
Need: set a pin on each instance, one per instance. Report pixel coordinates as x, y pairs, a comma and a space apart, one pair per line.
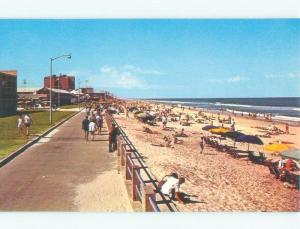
93, 122
24, 123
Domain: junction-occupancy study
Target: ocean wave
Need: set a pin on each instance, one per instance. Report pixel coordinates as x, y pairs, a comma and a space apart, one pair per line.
231, 105
286, 118
179, 102
263, 108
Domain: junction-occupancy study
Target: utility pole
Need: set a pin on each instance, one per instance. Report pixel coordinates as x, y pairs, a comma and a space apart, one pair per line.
79, 94
58, 93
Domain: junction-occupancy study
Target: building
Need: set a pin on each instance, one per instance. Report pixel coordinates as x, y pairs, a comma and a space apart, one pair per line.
8, 92
63, 82
27, 90
87, 90
59, 96
32, 101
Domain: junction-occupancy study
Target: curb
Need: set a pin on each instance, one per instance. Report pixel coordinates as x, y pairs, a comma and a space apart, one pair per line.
31, 142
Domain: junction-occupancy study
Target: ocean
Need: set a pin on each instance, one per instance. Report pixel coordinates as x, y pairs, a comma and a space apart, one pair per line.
281, 108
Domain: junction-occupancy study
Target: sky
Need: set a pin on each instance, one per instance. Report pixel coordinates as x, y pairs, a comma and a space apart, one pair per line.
159, 58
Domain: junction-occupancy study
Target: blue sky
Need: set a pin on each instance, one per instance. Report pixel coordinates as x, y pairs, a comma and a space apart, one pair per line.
159, 58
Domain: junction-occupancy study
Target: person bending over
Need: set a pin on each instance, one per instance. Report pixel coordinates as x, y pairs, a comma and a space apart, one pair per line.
170, 186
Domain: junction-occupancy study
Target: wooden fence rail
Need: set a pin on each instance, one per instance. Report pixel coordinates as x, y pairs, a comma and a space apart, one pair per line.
132, 165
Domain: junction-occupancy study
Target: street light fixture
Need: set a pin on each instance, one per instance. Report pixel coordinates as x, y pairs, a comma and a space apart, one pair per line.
51, 60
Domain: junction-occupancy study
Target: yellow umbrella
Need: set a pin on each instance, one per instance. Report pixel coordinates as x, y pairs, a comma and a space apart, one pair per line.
219, 130
276, 147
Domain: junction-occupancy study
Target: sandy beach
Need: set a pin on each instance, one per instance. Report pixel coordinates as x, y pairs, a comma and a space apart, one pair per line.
215, 180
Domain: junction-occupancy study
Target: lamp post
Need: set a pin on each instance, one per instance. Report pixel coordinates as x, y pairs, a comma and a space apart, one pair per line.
51, 60
79, 94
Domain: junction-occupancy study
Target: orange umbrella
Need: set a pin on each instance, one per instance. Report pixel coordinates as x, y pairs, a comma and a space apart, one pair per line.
219, 130
276, 147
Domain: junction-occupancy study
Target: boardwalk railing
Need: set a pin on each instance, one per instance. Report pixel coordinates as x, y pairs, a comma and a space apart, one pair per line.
144, 188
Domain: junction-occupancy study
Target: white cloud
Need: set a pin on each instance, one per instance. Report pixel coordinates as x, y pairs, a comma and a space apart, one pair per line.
107, 70
141, 71
236, 79
120, 78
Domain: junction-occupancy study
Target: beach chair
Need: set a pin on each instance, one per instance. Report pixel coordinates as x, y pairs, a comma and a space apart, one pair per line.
258, 159
239, 154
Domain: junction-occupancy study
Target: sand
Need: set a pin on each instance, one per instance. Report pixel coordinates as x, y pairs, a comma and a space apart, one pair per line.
217, 181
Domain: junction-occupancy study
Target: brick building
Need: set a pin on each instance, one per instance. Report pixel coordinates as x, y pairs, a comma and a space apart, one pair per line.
63, 82
8, 92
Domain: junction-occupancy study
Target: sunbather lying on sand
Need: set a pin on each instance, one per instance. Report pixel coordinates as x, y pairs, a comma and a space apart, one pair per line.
148, 130
176, 140
167, 142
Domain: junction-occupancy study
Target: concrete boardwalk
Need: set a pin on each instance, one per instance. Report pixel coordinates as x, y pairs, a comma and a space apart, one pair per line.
64, 173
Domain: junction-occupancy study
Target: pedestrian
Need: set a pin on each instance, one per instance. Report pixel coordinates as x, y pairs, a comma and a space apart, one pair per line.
164, 121
170, 186
92, 128
232, 127
201, 146
27, 122
113, 138
85, 127
21, 125
98, 124
127, 113
287, 128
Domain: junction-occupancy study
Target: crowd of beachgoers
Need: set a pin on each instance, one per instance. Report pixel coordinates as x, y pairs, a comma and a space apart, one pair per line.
230, 163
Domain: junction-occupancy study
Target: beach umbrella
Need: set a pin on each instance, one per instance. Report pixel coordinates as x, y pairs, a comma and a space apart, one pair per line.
291, 154
276, 147
208, 127
250, 139
219, 130
232, 134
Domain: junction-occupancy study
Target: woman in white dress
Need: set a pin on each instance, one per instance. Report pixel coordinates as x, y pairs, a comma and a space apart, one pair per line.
20, 125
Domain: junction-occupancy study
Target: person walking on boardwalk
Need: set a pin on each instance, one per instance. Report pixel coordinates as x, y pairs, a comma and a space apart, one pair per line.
113, 138
92, 128
98, 123
27, 121
20, 125
85, 127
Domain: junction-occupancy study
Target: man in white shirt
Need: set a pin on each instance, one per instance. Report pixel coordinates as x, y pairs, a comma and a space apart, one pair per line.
171, 187
92, 129
27, 122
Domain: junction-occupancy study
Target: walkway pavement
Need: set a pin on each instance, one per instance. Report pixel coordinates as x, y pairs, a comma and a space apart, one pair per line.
62, 172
